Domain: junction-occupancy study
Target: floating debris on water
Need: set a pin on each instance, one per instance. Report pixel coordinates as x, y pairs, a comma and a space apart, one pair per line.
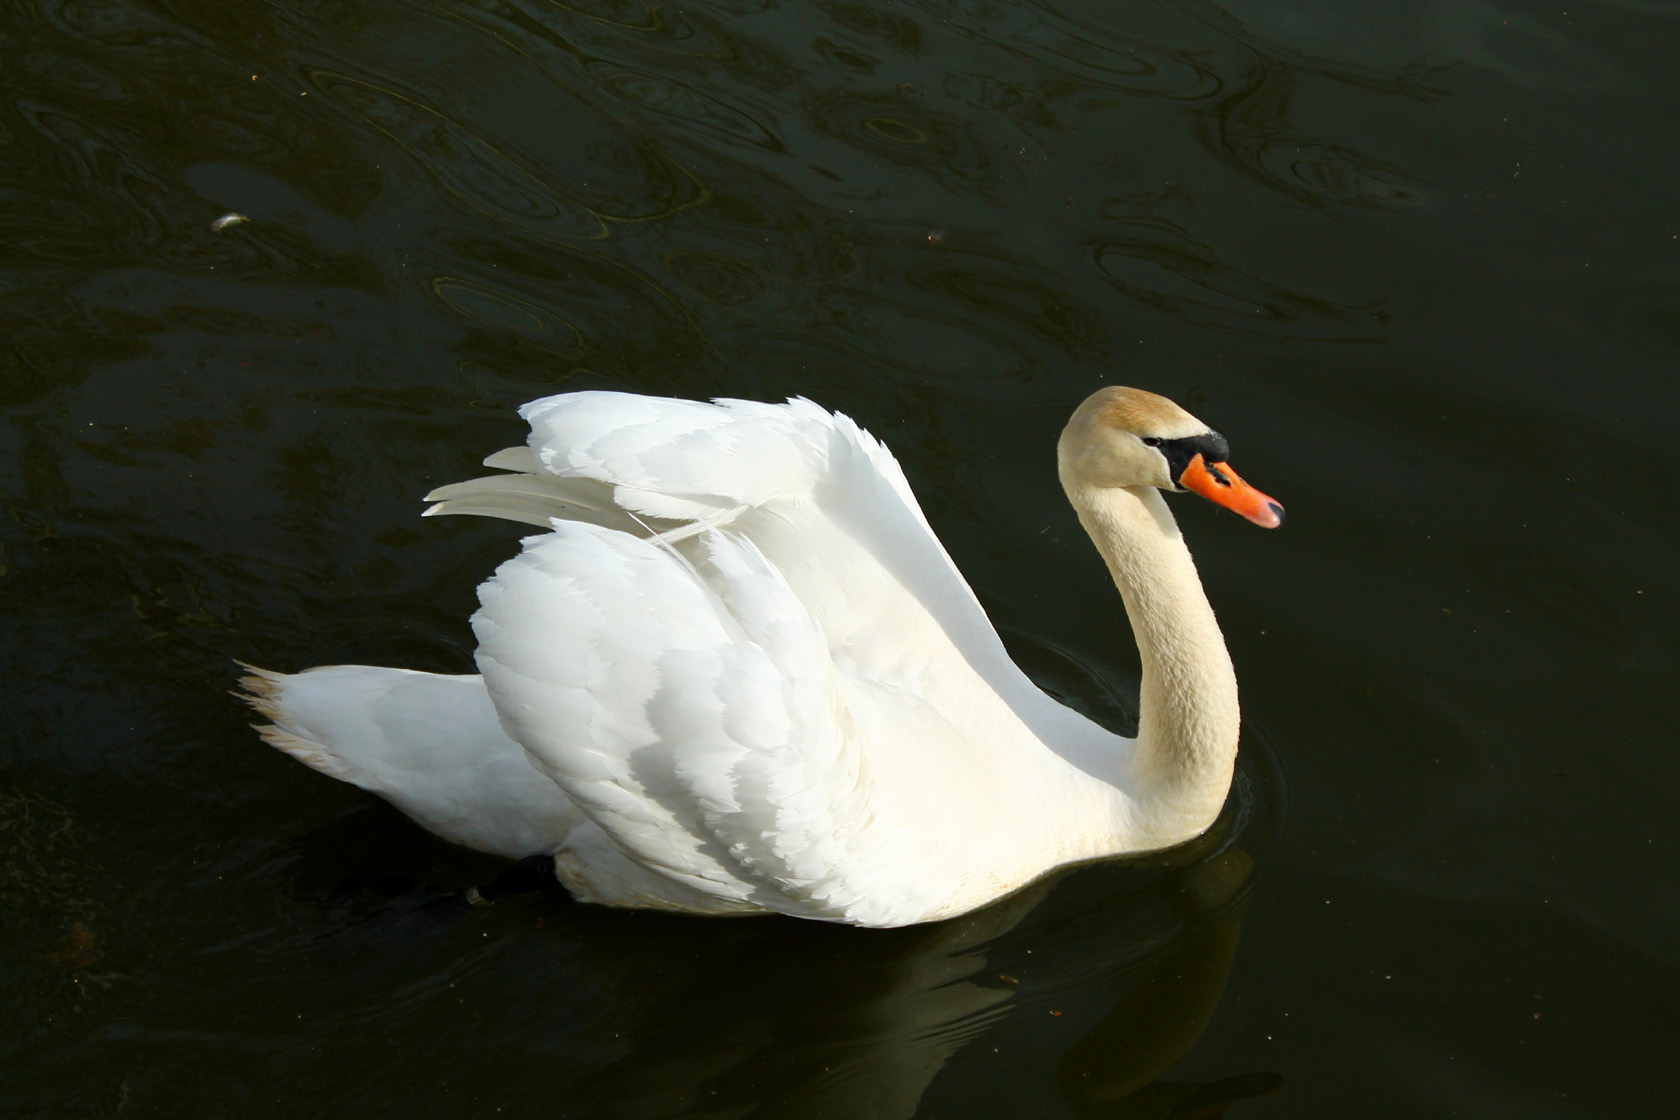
227, 220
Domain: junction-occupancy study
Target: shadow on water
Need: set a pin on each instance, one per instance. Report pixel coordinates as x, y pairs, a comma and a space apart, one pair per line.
1101, 989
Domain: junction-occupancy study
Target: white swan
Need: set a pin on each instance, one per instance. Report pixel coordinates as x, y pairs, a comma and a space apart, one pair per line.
738, 673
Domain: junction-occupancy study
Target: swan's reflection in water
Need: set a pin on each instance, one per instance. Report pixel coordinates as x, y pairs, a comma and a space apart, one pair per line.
859, 1024
1098, 981
1113, 1072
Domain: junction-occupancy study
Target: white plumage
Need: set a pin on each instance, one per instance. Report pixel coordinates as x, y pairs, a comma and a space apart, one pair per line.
738, 673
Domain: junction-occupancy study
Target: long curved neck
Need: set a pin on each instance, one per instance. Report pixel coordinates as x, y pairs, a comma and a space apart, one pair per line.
1186, 748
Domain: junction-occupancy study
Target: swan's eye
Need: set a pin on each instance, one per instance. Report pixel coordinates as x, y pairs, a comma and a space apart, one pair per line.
1210, 446
1151, 441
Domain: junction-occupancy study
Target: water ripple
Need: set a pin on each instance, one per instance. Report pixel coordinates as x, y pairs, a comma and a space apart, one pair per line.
999, 292
1162, 266
1099, 54
905, 132
502, 310
723, 280
466, 164
667, 97
1253, 132
113, 24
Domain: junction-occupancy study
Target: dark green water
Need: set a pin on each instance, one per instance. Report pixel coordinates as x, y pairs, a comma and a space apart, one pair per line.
1419, 261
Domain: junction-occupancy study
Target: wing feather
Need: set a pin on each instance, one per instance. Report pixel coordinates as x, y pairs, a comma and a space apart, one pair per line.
774, 688
703, 731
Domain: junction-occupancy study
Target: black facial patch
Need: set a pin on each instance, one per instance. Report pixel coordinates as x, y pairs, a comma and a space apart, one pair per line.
1211, 446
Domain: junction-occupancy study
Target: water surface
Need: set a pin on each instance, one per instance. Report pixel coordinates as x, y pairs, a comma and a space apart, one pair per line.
1417, 261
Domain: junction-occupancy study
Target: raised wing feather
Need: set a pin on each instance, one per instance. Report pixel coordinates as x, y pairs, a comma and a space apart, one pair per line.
682, 460
823, 500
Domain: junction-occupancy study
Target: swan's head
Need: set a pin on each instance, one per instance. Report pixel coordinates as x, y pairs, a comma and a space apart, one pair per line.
1127, 437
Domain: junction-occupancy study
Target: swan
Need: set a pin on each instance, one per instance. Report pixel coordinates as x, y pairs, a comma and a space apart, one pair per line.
737, 673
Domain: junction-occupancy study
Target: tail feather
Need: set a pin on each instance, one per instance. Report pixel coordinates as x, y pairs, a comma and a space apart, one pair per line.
430, 744
316, 756
263, 693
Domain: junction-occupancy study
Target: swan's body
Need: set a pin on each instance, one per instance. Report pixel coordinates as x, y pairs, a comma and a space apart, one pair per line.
739, 673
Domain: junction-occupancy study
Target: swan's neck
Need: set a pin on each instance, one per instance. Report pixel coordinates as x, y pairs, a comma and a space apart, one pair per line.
1181, 767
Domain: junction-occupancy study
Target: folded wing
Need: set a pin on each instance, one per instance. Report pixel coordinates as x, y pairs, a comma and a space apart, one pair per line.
742, 653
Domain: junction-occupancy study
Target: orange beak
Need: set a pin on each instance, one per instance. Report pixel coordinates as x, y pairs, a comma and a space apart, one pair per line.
1219, 484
